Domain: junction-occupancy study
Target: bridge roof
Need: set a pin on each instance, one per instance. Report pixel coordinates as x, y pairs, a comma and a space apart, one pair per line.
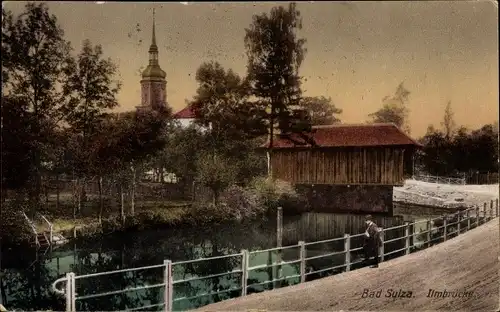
347, 135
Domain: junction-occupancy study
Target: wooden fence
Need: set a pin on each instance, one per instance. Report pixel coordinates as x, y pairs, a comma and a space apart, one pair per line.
474, 178
482, 178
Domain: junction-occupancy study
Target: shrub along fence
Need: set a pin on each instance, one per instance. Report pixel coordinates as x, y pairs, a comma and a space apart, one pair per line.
179, 287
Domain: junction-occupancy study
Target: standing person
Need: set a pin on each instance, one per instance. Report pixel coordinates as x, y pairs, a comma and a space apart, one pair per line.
372, 242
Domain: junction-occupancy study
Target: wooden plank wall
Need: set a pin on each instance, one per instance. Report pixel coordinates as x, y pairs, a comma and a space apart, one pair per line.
382, 166
313, 226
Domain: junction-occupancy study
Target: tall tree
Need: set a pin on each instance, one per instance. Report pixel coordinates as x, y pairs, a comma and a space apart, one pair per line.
275, 54
90, 88
321, 109
216, 172
221, 103
394, 109
91, 92
33, 54
448, 123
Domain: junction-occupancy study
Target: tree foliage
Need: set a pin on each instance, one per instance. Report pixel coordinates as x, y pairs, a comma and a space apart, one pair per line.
90, 88
33, 55
394, 109
275, 54
17, 144
465, 151
222, 104
216, 172
448, 123
321, 110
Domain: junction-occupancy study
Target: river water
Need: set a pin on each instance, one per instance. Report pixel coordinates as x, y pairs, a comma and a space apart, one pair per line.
26, 279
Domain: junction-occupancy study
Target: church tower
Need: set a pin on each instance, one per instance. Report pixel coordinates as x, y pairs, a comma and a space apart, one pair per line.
153, 83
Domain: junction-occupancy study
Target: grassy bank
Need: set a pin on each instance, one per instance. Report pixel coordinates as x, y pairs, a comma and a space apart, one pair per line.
236, 204
147, 214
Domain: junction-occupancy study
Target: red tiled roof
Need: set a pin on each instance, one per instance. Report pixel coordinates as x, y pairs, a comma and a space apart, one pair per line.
344, 135
184, 113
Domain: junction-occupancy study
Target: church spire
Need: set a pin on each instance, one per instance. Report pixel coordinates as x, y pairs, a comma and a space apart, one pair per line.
153, 48
153, 41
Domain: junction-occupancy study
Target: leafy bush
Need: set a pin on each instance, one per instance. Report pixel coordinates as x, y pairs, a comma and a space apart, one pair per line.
89, 230
201, 214
14, 228
241, 204
278, 193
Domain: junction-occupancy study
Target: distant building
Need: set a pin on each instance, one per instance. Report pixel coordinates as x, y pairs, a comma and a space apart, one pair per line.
185, 116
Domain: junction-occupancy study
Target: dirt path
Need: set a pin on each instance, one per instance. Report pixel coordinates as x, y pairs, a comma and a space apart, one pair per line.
468, 263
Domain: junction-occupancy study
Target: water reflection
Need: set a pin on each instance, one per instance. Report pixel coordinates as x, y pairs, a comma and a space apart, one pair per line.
25, 284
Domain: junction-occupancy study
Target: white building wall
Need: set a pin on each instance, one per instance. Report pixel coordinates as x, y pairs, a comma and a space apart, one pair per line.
186, 122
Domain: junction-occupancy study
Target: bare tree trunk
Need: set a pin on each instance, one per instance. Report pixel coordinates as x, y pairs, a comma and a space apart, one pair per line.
132, 191
216, 195
271, 141
123, 256
122, 205
57, 192
101, 201
76, 207
3, 294
46, 192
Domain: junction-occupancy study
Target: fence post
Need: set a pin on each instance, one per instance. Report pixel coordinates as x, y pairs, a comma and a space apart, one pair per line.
484, 212
407, 236
491, 210
244, 271
279, 243
51, 239
445, 227
302, 246
381, 248
429, 230
498, 212
67, 293
73, 292
468, 219
169, 287
459, 219
477, 216
347, 249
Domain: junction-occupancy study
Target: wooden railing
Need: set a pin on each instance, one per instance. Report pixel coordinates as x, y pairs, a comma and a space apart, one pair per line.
438, 179
33, 228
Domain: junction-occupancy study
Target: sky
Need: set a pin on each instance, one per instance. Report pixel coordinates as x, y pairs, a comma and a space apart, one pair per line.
357, 52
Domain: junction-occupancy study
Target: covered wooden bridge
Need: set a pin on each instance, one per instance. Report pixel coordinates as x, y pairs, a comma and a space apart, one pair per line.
345, 168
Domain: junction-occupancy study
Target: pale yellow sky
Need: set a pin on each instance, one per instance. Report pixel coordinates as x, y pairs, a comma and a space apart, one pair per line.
358, 52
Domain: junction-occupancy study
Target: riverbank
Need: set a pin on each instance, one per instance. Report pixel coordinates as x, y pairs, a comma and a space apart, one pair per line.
87, 225
152, 214
192, 215
444, 195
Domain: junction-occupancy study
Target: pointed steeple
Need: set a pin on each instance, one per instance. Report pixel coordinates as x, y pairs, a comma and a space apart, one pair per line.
153, 46
153, 70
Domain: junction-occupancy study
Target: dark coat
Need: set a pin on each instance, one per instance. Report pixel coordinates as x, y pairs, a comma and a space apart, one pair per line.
374, 240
